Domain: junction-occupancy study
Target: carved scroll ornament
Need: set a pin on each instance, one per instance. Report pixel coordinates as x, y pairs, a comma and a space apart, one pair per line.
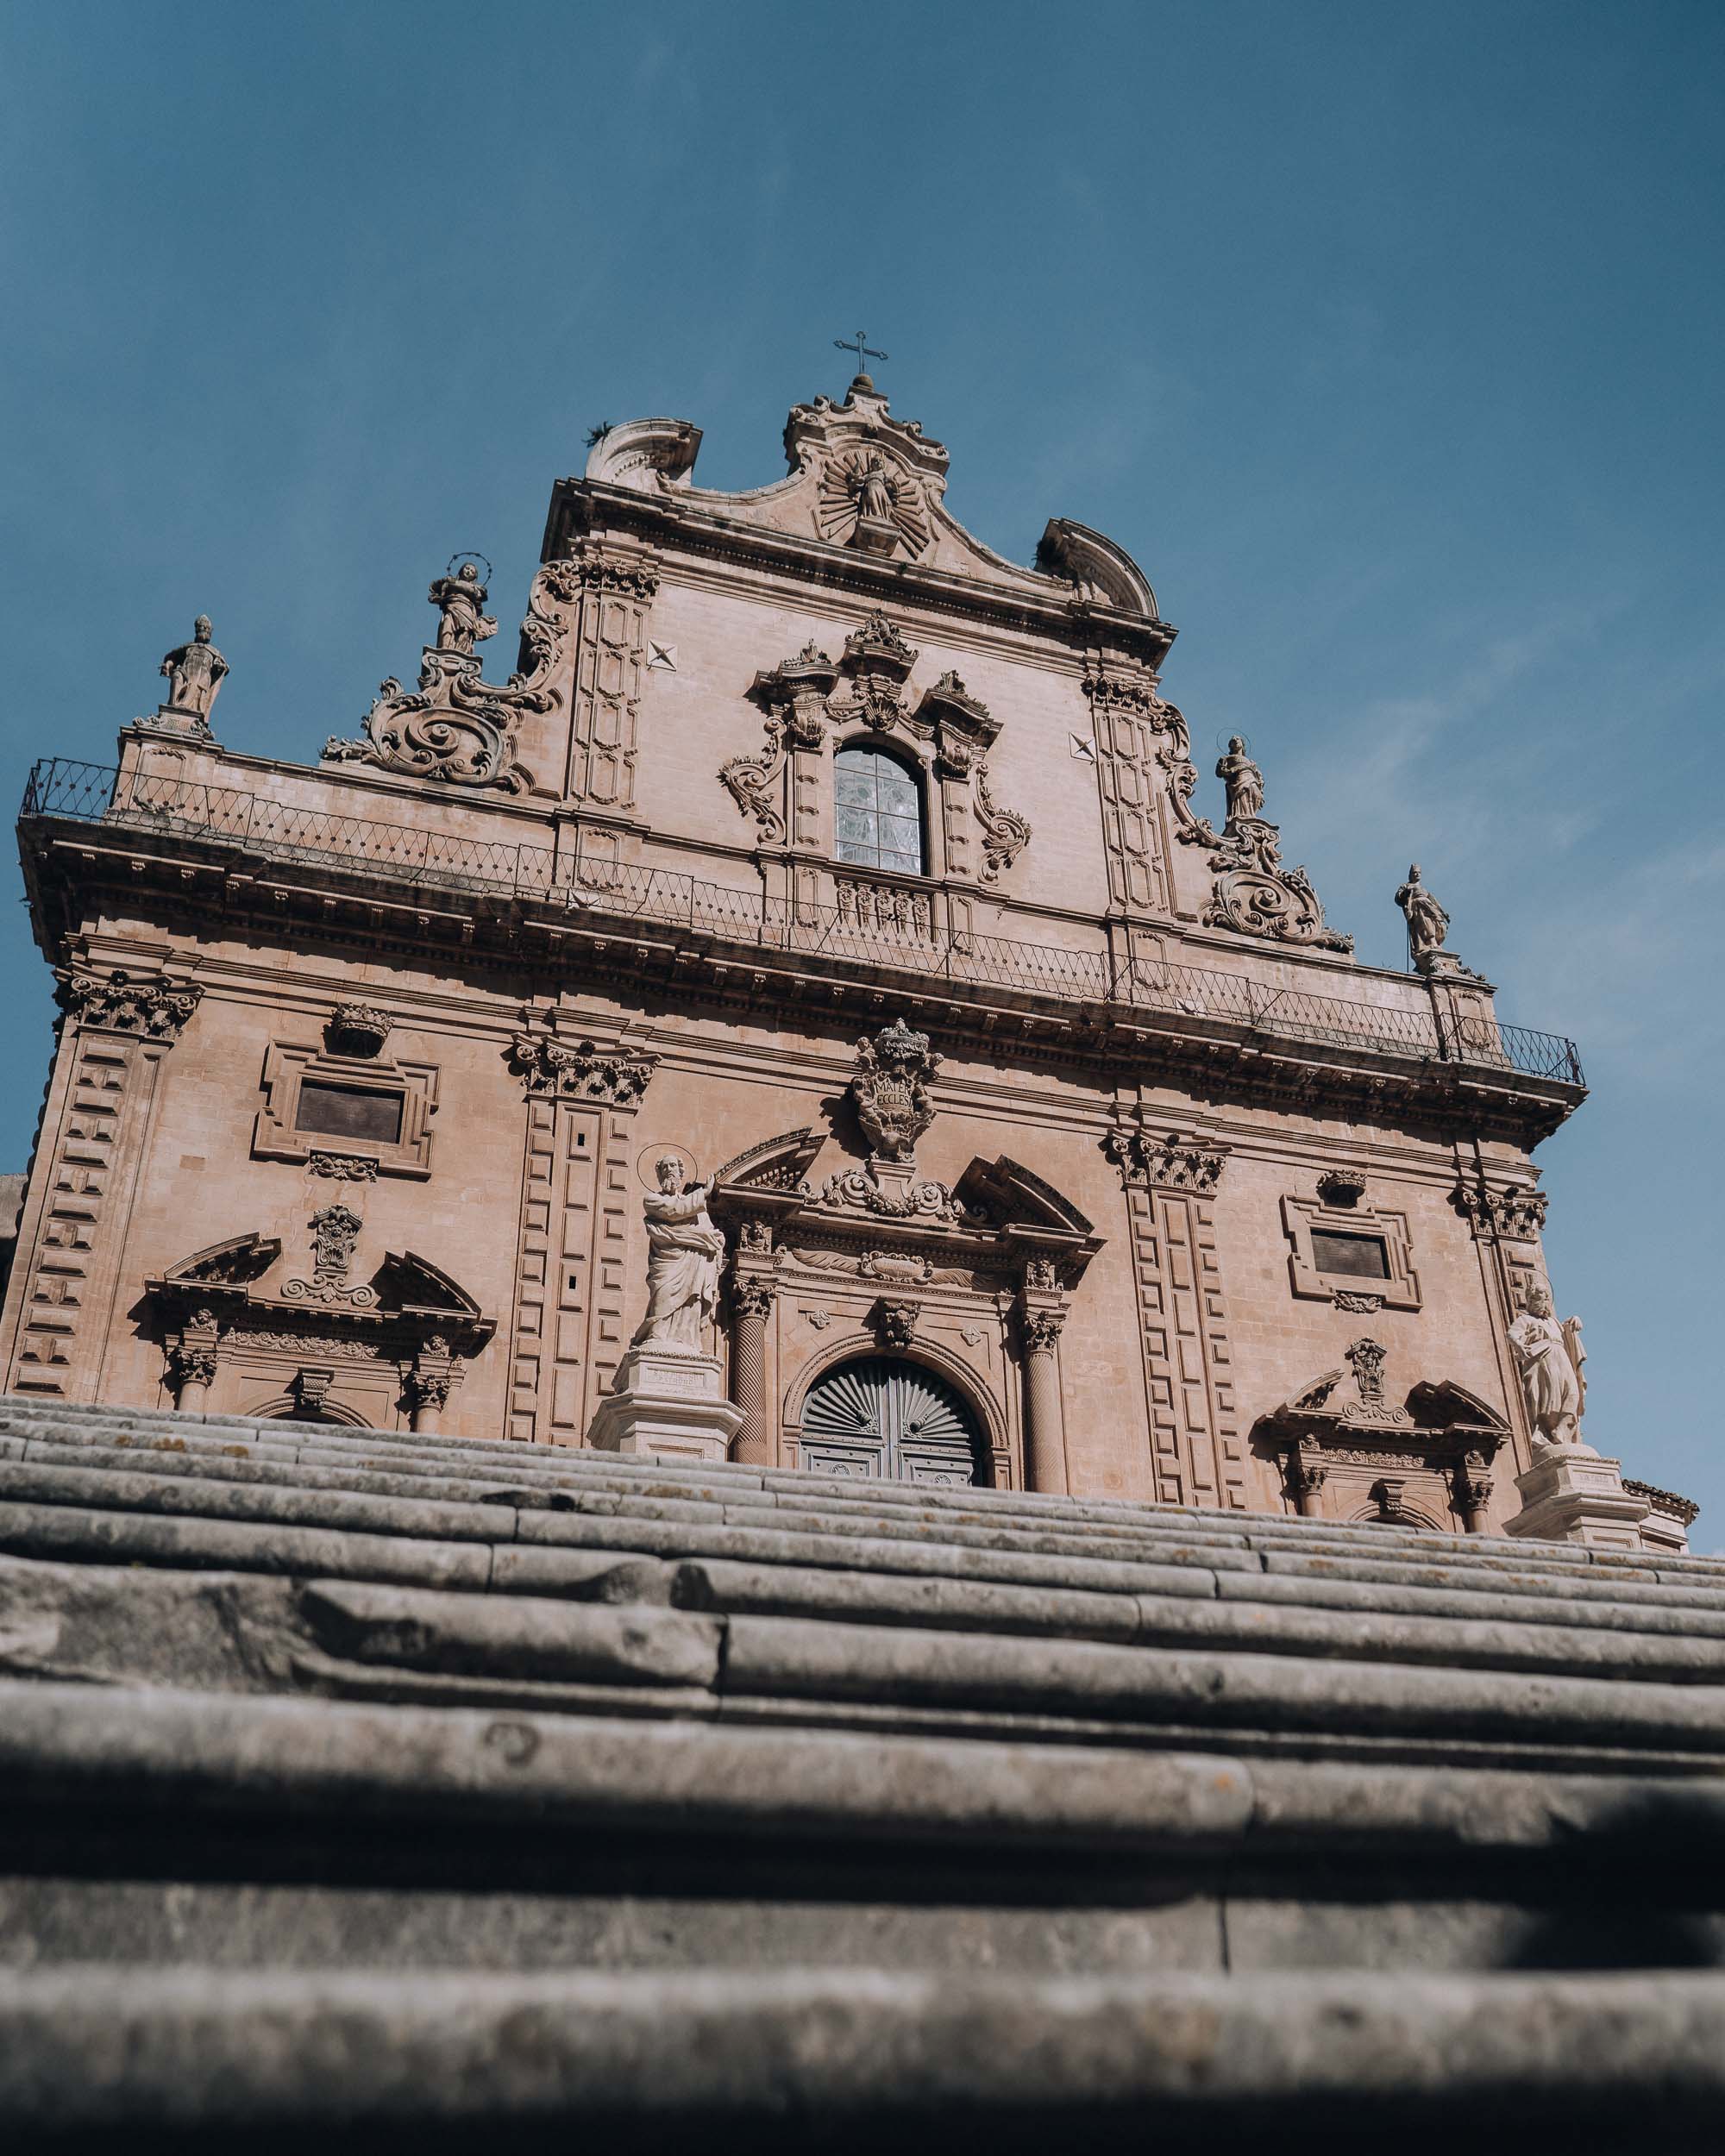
1005, 832
458, 728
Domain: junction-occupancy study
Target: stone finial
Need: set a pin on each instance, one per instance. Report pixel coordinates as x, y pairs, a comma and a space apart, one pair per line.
195, 673
890, 1089
1427, 923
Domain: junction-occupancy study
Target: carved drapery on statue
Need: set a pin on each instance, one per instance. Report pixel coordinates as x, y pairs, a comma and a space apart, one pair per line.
1549, 1359
683, 1253
195, 673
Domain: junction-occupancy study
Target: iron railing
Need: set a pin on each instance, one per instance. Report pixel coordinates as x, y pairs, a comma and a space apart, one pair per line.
424, 856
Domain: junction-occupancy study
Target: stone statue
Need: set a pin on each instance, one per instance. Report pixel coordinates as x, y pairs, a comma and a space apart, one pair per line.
682, 1264
462, 620
1549, 1358
873, 493
1244, 781
194, 673
1427, 923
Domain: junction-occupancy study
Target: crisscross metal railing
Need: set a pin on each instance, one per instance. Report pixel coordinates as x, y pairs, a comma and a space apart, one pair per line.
421, 855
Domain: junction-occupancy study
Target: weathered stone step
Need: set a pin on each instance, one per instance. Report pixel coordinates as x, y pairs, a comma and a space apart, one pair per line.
924, 2061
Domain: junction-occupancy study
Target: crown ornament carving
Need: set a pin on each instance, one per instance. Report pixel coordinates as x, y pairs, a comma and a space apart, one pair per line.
359, 1029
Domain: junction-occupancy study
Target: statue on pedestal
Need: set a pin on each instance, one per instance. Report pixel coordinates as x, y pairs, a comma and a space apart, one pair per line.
1548, 1359
1244, 781
684, 1252
194, 673
1427, 923
462, 621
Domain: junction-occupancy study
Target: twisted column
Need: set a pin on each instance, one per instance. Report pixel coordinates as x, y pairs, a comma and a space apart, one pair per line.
1045, 1415
751, 1303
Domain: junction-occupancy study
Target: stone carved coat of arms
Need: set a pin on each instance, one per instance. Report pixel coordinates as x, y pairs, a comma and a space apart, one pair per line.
890, 1089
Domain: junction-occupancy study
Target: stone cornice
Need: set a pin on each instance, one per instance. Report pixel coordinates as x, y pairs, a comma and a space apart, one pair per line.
69, 865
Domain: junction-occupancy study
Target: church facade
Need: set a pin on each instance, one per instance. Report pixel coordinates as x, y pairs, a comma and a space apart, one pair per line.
818, 862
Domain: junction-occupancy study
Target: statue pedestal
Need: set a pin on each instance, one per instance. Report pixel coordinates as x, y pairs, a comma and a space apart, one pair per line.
1573, 1496
666, 1405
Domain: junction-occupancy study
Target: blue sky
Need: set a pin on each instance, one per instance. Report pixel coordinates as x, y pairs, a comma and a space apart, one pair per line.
1387, 338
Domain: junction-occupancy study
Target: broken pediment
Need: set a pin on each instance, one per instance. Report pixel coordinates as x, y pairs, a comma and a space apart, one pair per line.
875, 486
234, 1263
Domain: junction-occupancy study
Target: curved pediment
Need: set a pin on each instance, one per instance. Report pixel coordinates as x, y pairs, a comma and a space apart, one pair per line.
233, 1264
870, 484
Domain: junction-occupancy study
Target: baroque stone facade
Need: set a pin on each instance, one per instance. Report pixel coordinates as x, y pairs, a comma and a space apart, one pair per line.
1059, 1150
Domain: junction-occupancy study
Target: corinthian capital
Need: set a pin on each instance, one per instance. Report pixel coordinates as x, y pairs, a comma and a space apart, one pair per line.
150, 1007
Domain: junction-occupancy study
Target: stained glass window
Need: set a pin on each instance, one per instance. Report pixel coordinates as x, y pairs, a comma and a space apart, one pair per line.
878, 809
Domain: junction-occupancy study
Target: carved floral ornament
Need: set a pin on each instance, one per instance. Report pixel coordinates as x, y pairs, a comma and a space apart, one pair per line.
151, 1006
811, 699
458, 728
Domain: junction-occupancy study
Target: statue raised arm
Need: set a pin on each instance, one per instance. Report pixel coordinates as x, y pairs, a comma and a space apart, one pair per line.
684, 1250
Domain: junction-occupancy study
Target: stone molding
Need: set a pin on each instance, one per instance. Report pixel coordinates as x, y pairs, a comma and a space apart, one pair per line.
1400, 1290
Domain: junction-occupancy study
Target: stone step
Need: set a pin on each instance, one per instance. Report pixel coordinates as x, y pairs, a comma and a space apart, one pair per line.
849, 2057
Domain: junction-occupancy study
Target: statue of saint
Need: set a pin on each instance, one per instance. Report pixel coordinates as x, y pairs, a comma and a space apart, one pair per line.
873, 493
684, 1249
1427, 923
194, 673
462, 620
1244, 781
1549, 1358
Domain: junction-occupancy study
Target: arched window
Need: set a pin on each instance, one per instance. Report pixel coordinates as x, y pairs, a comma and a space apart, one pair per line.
878, 812
881, 1418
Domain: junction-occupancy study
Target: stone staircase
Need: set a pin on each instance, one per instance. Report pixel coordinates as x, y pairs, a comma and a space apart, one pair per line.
358, 1783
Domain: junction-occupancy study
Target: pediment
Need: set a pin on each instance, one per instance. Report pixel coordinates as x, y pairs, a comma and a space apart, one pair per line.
414, 1285
233, 1263
1017, 1197
779, 1164
863, 481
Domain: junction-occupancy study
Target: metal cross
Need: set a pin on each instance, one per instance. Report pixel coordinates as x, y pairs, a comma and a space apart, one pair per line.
863, 350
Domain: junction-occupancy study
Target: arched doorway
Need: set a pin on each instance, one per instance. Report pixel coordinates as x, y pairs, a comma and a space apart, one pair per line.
881, 1418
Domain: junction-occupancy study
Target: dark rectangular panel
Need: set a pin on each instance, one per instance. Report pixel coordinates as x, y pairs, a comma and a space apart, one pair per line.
1360, 1257
349, 1111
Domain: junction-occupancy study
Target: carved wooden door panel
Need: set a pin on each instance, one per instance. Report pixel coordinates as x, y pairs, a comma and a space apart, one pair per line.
882, 1419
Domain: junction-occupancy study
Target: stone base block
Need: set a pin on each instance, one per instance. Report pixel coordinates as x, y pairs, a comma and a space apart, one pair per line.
1576, 1496
668, 1407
